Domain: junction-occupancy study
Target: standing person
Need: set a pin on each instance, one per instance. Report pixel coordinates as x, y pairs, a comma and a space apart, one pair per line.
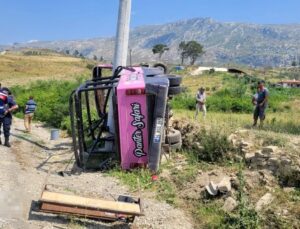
200, 102
7, 105
261, 104
29, 113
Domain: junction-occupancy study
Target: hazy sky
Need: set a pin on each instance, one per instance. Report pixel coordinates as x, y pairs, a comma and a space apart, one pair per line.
24, 20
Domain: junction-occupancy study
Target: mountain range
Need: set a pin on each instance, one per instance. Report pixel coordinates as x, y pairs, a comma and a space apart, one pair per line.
224, 43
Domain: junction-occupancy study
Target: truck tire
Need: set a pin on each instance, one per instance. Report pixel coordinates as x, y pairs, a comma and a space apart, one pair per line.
174, 90
176, 146
174, 136
162, 67
174, 80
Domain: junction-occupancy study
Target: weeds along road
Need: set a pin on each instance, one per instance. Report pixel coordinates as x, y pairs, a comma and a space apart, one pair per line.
34, 160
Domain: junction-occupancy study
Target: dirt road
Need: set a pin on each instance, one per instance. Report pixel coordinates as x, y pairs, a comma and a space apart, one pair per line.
34, 160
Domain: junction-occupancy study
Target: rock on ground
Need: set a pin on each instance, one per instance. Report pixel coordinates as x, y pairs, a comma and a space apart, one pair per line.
225, 185
264, 201
230, 204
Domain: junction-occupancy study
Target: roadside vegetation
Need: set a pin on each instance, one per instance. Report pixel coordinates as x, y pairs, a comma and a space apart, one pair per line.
233, 93
229, 109
52, 98
230, 98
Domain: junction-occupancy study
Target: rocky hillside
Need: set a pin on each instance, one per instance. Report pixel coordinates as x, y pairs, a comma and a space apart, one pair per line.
240, 43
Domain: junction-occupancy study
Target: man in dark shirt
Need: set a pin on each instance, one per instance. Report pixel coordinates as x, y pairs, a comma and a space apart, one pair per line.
7, 105
261, 105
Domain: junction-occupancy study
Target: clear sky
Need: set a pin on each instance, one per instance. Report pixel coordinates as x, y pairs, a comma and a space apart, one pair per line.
24, 20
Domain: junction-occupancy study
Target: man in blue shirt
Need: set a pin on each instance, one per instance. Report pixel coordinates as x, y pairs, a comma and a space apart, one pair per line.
7, 105
29, 112
261, 105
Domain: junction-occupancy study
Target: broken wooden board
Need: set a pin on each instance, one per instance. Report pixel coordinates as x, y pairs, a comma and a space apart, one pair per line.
59, 203
82, 212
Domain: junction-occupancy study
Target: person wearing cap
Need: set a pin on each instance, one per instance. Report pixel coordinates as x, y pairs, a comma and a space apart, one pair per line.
261, 104
200, 102
7, 106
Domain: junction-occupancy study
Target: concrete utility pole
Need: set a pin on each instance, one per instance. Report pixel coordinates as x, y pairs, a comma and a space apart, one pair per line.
122, 37
120, 55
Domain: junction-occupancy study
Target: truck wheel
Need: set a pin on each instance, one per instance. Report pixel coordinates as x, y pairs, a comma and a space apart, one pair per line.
174, 90
176, 146
162, 67
174, 136
174, 80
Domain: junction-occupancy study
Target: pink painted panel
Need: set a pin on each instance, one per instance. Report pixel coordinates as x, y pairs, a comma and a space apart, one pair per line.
132, 109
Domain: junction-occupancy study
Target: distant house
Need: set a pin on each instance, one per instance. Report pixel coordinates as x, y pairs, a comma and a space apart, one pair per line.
200, 70
289, 83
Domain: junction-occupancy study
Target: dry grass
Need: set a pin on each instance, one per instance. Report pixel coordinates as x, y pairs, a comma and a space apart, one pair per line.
238, 120
18, 69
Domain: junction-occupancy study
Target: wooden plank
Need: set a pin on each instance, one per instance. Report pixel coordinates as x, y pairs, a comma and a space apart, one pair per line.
89, 213
110, 206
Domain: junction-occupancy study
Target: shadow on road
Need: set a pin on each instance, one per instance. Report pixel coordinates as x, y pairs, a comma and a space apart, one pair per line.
56, 148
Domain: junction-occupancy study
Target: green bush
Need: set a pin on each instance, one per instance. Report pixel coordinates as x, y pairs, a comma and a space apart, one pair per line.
184, 101
216, 145
236, 97
280, 95
52, 98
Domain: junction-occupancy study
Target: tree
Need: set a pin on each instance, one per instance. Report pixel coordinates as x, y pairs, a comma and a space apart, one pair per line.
195, 50
76, 52
67, 52
183, 51
191, 49
160, 49
95, 57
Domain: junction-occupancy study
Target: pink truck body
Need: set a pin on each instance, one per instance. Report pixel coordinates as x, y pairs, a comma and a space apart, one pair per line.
132, 110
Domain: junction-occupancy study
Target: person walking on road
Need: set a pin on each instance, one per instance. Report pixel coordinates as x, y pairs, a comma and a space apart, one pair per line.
7, 106
261, 104
29, 113
200, 102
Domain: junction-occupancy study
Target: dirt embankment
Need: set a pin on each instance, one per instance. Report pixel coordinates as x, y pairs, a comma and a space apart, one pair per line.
34, 161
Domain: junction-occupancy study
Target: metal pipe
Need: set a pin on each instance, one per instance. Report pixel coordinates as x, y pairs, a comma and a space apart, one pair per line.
88, 110
71, 110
